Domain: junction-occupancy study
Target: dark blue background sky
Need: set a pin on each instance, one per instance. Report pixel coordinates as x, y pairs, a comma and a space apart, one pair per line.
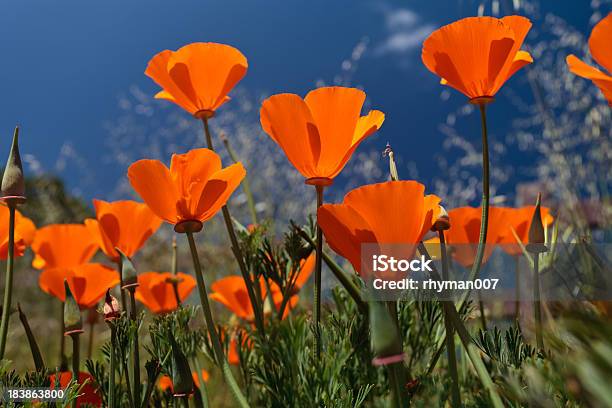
64, 63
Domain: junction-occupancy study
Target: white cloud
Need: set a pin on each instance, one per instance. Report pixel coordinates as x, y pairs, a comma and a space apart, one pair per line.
405, 31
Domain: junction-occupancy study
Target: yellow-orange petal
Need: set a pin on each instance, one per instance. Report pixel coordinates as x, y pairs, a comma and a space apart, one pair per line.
603, 81
156, 292
63, 246
218, 189
599, 43
232, 293
287, 120
152, 181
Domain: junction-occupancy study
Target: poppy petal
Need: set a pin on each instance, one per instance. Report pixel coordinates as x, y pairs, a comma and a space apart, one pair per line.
218, 189
599, 43
153, 182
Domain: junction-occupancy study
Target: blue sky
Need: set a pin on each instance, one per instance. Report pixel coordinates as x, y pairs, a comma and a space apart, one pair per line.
65, 63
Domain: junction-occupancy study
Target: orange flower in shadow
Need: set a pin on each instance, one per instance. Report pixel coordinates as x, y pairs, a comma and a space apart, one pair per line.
165, 382
156, 292
88, 282
122, 224
601, 50
63, 246
477, 55
89, 394
304, 272
464, 232
394, 212
193, 190
24, 232
198, 76
232, 293
320, 132
519, 220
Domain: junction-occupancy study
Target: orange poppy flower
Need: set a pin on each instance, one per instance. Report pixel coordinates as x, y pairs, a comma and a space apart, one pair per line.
198, 76
305, 271
464, 232
155, 290
63, 246
88, 282
122, 224
477, 55
599, 44
519, 220
24, 232
232, 293
394, 212
165, 382
320, 132
89, 394
193, 190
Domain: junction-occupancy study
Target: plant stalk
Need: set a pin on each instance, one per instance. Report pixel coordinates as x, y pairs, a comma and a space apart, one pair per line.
136, 351
121, 291
177, 296
537, 311
450, 333
90, 343
8, 285
75, 362
258, 311
212, 328
517, 294
111, 374
317, 285
202, 389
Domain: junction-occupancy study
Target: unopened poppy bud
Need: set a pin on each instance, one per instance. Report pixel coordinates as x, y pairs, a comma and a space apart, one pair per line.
385, 338
129, 275
72, 313
182, 380
442, 223
536, 231
111, 307
13, 182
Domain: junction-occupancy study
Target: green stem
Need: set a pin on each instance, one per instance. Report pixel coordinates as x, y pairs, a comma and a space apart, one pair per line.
246, 186
75, 362
483, 318
136, 352
396, 385
62, 351
258, 311
8, 285
317, 285
342, 277
203, 390
450, 336
111, 374
517, 300
36, 355
121, 291
177, 296
468, 344
212, 328
90, 344
537, 311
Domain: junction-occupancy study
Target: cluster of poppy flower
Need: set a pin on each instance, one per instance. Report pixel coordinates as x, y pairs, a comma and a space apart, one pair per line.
318, 134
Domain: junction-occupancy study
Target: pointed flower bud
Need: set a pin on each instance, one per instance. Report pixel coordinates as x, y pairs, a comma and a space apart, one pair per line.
13, 182
385, 338
182, 380
442, 223
536, 231
111, 308
72, 314
128, 272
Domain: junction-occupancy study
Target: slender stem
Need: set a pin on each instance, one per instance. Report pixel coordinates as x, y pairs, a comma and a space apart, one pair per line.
517, 283
483, 317
203, 390
317, 285
258, 311
136, 352
342, 277
8, 285
90, 344
62, 351
75, 362
123, 299
468, 344
127, 383
484, 219
212, 328
185, 402
246, 186
111, 374
448, 325
537, 311
396, 385
177, 296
